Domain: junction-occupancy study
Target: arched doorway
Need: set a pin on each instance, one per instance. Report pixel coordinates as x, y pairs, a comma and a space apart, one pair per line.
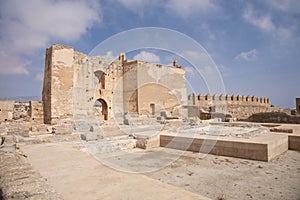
101, 109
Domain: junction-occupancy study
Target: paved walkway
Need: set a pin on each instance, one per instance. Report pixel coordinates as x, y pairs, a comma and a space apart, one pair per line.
77, 175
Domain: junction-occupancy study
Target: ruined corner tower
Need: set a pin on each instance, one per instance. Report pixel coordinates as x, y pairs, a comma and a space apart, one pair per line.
57, 93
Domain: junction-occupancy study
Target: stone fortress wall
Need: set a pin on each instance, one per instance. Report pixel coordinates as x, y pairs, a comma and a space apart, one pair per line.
240, 107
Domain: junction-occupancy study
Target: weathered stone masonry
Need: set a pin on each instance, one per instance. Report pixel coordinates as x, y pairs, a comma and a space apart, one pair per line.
122, 86
6, 110
237, 106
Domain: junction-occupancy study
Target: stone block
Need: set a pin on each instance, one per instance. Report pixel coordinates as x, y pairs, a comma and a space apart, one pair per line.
263, 148
148, 143
91, 136
62, 129
282, 130
294, 142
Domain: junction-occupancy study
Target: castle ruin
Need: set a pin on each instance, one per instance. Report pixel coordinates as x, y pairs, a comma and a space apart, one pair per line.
79, 85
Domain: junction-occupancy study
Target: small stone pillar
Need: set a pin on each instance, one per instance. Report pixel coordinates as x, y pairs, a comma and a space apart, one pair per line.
175, 63
122, 57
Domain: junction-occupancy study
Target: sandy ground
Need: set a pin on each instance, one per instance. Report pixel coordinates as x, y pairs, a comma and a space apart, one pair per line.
219, 177
77, 175
166, 173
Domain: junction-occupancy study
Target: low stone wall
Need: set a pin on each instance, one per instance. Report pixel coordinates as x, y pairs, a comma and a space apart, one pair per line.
294, 142
263, 148
21, 110
36, 111
274, 117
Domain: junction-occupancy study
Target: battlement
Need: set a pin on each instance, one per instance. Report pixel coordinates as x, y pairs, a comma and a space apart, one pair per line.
193, 98
239, 106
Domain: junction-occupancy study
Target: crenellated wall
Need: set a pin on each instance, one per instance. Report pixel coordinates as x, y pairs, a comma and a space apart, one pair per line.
239, 106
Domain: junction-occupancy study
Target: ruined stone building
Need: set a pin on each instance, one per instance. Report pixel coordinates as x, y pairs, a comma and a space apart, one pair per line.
79, 85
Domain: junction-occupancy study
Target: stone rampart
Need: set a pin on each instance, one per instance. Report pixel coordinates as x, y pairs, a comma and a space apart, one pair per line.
238, 106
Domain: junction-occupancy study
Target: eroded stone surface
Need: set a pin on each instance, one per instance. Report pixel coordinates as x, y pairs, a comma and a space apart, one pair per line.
18, 180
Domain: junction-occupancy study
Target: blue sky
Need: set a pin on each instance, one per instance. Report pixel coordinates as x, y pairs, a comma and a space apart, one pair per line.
254, 44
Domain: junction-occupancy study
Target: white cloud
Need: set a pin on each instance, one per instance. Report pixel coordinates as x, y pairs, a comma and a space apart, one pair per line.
147, 57
27, 26
264, 21
179, 8
259, 20
249, 55
187, 8
39, 77
12, 65
138, 6
195, 54
110, 54
190, 70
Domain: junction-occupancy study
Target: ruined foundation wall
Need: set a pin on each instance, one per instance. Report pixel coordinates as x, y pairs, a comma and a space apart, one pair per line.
36, 112
240, 107
21, 111
6, 110
274, 117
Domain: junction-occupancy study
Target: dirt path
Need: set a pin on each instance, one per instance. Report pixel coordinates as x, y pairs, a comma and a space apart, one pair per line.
77, 175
